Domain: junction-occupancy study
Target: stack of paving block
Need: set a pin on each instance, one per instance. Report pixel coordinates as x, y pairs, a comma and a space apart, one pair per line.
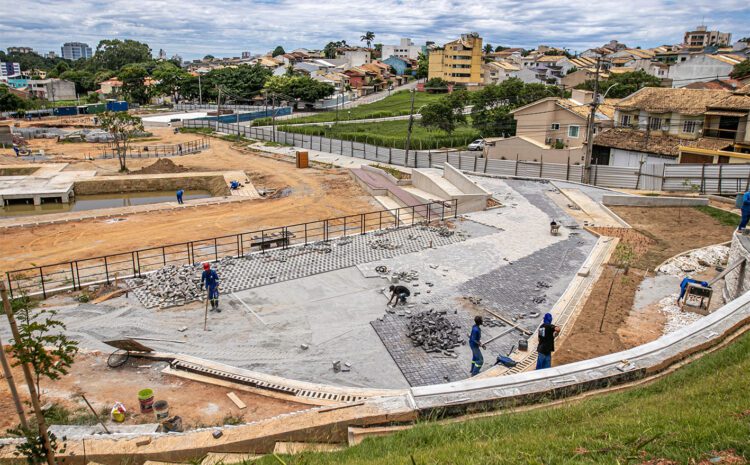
434, 332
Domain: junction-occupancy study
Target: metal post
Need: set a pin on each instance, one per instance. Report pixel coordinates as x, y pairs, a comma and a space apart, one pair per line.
344, 226
216, 250
516, 172
305, 233
412, 215
41, 275
73, 276
362, 222
164, 256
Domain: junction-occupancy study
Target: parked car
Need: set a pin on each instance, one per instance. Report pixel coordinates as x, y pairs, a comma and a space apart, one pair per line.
477, 145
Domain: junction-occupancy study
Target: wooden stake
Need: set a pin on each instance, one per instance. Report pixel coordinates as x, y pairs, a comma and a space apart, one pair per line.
95, 414
12, 385
38, 413
205, 316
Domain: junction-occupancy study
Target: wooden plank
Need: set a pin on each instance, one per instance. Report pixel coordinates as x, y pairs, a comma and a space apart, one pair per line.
110, 295
233, 397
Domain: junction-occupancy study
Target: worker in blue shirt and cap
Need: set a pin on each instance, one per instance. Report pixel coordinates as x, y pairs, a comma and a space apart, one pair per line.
210, 279
477, 360
745, 209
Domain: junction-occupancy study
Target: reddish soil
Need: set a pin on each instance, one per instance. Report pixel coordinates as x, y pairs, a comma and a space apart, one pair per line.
198, 404
607, 323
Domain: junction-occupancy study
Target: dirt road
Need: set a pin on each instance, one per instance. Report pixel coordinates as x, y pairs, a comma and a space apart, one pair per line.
606, 323
315, 194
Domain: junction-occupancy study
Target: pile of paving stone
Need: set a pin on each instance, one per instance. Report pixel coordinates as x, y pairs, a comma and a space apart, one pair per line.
383, 244
434, 332
179, 285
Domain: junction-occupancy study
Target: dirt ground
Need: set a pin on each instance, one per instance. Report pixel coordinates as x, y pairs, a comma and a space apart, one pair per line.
607, 323
315, 194
198, 404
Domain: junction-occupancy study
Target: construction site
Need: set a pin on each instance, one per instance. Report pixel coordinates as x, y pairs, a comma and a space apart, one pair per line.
305, 350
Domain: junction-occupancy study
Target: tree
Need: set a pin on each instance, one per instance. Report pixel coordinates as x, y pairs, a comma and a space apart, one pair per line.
446, 113
10, 101
624, 84
368, 37
492, 105
133, 79
436, 86
83, 80
113, 54
170, 80
487, 49
500, 48
423, 65
123, 128
302, 88
242, 82
741, 69
208, 58
40, 345
279, 50
331, 48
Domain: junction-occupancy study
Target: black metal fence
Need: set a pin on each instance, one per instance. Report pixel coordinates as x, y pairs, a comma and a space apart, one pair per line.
73, 275
158, 151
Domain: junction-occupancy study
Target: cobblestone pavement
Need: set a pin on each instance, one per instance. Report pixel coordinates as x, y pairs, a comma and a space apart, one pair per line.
277, 265
519, 272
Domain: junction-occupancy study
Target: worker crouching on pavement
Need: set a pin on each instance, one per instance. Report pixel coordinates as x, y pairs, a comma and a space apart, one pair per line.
475, 342
210, 280
400, 293
547, 334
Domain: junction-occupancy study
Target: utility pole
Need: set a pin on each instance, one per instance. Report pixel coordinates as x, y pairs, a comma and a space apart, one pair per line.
200, 91
38, 413
273, 117
337, 108
590, 125
408, 131
9, 374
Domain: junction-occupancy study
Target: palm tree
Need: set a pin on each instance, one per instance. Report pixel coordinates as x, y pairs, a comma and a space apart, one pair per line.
368, 37
487, 49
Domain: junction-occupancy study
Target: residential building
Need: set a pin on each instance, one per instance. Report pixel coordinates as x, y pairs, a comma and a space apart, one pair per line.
76, 50
668, 125
20, 50
355, 56
162, 54
405, 49
246, 55
51, 55
402, 66
496, 72
459, 61
52, 89
701, 37
8, 69
552, 129
580, 76
703, 67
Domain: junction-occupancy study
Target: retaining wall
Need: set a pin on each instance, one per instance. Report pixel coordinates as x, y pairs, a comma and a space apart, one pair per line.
646, 201
215, 184
737, 281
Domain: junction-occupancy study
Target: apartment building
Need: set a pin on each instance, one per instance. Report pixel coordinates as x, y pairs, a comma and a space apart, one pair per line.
75, 50
459, 61
20, 50
8, 69
701, 37
405, 49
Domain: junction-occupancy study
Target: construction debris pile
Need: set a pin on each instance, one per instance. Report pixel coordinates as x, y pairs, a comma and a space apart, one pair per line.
696, 261
179, 285
434, 332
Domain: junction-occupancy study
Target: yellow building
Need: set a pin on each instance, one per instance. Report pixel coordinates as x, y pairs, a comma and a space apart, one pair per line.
458, 62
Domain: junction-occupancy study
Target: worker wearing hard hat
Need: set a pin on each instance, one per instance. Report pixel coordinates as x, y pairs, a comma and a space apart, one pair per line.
210, 279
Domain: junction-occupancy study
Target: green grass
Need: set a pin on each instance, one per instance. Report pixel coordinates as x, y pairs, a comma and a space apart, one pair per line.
398, 174
391, 134
681, 417
197, 130
722, 216
396, 105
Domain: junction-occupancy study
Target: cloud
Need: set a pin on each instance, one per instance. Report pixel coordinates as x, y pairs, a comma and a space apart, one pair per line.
193, 28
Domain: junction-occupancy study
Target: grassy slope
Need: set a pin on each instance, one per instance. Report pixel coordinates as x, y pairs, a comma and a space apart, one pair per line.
681, 417
722, 216
391, 133
395, 105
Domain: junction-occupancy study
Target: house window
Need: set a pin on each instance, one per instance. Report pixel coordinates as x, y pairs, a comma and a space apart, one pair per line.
555, 126
689, 126
625, 120
654, 124
573, 131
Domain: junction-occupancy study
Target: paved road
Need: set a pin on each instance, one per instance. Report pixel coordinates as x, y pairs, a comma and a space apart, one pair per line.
379, 95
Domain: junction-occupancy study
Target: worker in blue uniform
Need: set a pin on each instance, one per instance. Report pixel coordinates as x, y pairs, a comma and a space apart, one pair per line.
180, 193
745, 209
475, 342
684, 285
210, 279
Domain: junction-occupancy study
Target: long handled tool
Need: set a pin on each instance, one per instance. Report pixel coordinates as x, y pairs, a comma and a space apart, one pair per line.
505, 320
205, 316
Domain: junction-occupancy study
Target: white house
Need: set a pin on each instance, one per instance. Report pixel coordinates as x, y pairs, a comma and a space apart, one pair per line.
703, 67
405, 49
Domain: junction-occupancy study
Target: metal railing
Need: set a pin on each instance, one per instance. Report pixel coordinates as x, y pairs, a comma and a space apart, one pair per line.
73, 275
158, 151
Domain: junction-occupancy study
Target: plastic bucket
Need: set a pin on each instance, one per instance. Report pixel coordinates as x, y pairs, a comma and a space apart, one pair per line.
146, 399
161, 409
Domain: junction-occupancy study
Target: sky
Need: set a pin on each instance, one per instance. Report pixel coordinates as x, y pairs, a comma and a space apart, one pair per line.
194, 28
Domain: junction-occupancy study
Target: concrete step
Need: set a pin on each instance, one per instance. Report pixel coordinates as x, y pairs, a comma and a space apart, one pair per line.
358, 434
442, 184
227, 458
423, 196
291, 448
